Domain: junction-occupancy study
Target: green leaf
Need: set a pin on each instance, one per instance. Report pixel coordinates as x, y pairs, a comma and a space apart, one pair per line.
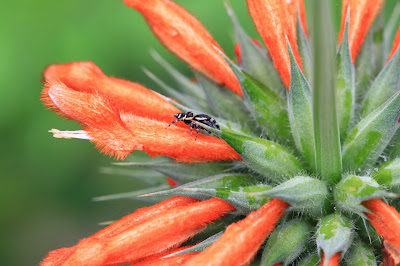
334, 234
300, 112
360, 254
388, 174
146, 176
304, 194
213, 182
245, 199
391, 28
304, 49
287, 242
185, 84
263, 156
364, 68
163, 88
352, 190
377, 31
326, 128
311, 259
384, 86
182, 172
267, 107
198, 247
371, 135
345, 84
254, 59
223, 102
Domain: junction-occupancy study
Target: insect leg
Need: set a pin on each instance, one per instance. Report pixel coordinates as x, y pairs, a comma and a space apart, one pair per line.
197, 131
177, 120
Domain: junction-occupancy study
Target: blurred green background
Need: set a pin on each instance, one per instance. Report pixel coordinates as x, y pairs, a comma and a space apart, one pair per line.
47, 184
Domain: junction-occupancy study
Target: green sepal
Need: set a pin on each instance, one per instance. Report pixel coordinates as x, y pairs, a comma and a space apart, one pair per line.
391, 28
311, 259
385, 85
213, 182
304, 49
185, 85
182, 172
352, 190
268, 108
245, 199
165, 89
265, 157
134, 195
334, 234
304, 194
345, 84
198, 247
224, 124
364, 68
254, 59
377, 29
360, 254
287, 242
367, 233
143, 175
370, 136
223, 102
388, 173
300, 112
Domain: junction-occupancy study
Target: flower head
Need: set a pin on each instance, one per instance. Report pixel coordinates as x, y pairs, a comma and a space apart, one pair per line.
299, 157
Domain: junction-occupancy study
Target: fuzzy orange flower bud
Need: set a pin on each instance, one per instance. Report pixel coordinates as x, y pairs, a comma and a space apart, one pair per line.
241, 240
151, 235
362, 14
386, 221
128, 96
333, 261
275, 20
186, 37
118, 133
396, 44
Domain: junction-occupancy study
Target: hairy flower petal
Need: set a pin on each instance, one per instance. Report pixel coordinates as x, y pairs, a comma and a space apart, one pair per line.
185, 36
120, 134
170, 261
241, 240
386, 221
152, 235
60, 256
362, 14
275, 20
396, 44
128, 96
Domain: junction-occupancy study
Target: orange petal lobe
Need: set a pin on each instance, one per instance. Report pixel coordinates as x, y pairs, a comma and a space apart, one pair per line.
333, 261
362, 14
275, 19
241, 240
120, 134
128, 96
386, 221
185, 36
396, 44
159, 233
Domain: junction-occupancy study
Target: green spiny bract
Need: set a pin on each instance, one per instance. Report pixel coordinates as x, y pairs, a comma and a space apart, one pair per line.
324, 216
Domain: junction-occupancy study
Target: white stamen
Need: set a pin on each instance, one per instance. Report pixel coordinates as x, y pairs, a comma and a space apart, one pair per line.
77, 134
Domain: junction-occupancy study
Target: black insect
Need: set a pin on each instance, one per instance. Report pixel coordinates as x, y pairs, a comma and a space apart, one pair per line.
190, 119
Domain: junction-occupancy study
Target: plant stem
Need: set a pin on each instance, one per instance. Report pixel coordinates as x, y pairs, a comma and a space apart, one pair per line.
326, 128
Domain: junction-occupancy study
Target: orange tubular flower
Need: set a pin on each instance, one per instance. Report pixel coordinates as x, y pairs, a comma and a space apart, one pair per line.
170, 261
185, 36
275, 20
386, 221
396, 44
153, 233
362, 14
240, 242
128, 96
119, 133
333, 261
